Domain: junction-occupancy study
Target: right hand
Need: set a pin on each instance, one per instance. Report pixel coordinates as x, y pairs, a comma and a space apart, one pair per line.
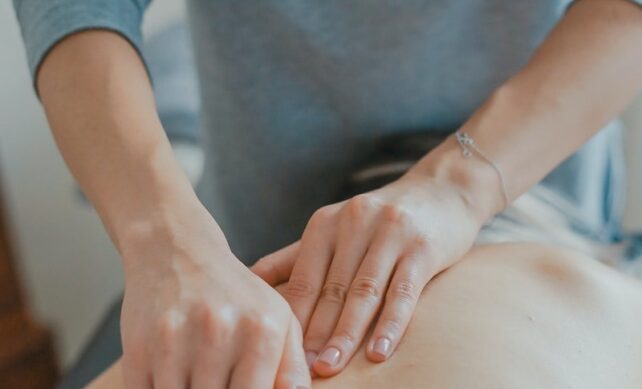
195, 317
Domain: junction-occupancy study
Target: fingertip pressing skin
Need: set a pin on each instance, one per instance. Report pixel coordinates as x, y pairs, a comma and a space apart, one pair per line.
364, 302
379, 349
330, 361
352, 293
401, 300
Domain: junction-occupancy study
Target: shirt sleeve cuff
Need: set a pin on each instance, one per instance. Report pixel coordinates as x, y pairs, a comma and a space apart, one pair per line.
45, 23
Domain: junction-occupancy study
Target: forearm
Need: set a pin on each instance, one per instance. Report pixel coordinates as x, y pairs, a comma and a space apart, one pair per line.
101, 110
584, 74
183, 284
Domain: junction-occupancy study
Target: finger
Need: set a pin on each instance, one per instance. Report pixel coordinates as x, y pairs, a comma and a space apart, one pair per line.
293, 370
275, 268
363, 302
355, 229
215, 355
171, 359
262, 349
400, 303
311, 265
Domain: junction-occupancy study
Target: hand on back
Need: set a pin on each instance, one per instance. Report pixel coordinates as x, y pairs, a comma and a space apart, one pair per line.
372, 254
195, 317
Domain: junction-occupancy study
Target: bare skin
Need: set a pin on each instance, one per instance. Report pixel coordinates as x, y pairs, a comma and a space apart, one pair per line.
509, 316
101, 110
360, 255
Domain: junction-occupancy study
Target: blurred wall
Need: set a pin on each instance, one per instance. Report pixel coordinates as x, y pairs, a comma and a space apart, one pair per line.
68, 265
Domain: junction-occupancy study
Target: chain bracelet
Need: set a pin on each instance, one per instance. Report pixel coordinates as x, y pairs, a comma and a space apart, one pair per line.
468, 147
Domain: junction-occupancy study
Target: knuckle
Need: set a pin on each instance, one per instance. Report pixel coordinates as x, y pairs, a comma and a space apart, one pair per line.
367, 287
321, 217
393, 214
269, 328
224, 325
261, 325
168, 328
212, 325
422, 244
334, 291
251, 323
392, 327
346, 336
299, 287
359, 205
404, 291
205, 318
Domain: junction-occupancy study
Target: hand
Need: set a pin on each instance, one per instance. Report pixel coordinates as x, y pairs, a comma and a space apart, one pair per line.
373, 252
195, 317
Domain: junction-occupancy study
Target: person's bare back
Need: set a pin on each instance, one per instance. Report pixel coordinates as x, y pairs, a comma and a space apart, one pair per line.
509, 316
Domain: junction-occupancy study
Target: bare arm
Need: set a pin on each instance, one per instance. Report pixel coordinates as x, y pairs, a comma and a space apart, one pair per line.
584, 74
180, 275
377, 250
102, 113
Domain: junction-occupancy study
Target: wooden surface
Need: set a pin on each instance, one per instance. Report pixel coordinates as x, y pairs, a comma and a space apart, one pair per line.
27, 358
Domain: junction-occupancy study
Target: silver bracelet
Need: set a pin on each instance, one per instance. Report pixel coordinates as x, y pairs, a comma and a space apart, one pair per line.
468, 146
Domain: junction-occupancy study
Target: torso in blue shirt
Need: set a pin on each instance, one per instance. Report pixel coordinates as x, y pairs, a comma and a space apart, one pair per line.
295, 93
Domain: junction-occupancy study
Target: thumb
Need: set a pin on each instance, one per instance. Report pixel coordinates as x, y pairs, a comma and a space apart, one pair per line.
276, 268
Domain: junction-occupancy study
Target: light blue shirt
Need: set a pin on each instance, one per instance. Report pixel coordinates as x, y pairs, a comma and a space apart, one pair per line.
295, 92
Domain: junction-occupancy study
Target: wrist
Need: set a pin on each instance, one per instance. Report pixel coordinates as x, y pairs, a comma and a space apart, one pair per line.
148, 201
475, 180
167, 233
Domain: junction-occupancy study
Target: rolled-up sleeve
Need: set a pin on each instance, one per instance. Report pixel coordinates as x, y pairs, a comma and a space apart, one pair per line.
46, 22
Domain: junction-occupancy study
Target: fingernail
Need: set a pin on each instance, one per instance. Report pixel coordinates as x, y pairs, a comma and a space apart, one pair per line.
310, 357
382, 346
330, 356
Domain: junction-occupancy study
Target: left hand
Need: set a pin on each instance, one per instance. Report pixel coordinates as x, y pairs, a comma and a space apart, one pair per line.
375, 251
